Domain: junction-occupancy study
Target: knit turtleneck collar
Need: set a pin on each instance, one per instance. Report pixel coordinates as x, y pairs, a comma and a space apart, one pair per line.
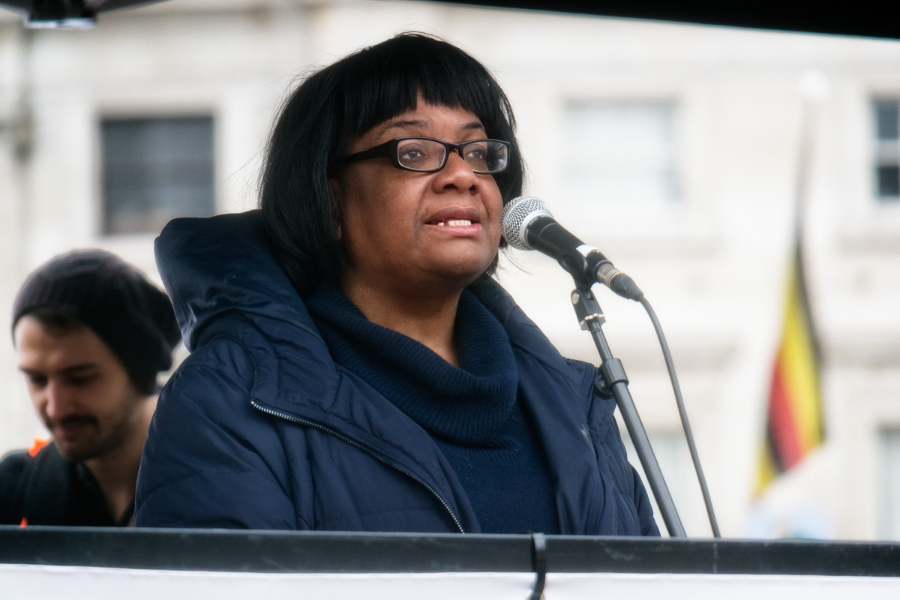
466, 405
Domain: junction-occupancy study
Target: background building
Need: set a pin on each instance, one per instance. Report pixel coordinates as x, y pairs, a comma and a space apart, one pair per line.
674, 148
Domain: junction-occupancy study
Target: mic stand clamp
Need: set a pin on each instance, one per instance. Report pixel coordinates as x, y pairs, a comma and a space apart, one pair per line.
612, 382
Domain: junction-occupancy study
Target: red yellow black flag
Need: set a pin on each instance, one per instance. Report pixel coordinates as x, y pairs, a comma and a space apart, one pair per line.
794, 416
794, 420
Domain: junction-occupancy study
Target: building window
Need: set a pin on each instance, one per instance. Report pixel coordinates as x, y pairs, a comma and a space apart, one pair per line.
155, 169
622, 152
889, 481
886, 113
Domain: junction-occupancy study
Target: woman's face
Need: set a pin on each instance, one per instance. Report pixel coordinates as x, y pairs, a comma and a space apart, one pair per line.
420, 232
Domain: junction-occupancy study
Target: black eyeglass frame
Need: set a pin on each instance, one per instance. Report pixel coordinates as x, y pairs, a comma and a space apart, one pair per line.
389, 150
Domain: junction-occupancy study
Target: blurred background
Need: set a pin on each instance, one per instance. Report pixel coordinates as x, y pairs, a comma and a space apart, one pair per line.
681, 151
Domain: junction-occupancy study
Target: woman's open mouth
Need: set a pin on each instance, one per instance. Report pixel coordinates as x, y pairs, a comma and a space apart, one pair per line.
456, 220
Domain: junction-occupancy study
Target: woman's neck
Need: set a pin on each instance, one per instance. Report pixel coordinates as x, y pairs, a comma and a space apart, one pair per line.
427, 318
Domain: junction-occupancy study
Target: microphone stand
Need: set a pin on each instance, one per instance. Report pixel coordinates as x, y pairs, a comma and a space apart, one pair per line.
615, 383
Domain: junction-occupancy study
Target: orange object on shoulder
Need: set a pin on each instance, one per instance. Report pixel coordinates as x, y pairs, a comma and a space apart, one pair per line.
37, 445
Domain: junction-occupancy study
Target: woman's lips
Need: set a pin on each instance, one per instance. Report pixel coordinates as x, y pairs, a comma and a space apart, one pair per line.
468, 229
455, 221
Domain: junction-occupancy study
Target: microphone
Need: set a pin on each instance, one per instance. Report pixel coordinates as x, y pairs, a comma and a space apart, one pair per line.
527, 224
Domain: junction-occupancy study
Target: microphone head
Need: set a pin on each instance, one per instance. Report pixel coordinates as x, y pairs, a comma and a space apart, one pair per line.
516, 216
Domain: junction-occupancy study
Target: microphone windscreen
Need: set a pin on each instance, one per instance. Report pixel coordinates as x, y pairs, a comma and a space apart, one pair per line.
516, 216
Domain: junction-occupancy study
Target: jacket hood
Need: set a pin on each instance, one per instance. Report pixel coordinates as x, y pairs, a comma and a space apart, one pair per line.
220, 264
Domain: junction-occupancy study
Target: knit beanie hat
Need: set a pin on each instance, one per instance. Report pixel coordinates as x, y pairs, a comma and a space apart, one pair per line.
131, 315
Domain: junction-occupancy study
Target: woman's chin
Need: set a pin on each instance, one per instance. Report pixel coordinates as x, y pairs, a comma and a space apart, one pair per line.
460, 273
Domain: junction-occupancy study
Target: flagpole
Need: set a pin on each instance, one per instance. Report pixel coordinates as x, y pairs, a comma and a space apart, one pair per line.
794, 415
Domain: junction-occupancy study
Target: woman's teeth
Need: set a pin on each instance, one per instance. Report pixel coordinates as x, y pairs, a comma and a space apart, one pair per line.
455, 223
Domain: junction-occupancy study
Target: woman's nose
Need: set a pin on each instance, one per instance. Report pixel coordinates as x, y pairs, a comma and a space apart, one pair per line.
456, 173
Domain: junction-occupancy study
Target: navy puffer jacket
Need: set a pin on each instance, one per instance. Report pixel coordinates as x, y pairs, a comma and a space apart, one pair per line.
260, 429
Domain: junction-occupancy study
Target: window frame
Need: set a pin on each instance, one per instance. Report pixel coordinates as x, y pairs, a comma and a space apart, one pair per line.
105, 221
885, 152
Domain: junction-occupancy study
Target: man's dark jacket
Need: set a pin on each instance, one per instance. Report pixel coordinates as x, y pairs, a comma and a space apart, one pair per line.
259, 428
43, 488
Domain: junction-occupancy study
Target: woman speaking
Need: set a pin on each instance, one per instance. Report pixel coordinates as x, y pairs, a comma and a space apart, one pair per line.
354, 367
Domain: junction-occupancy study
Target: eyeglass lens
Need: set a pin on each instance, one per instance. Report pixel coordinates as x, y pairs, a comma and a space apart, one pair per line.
482, 156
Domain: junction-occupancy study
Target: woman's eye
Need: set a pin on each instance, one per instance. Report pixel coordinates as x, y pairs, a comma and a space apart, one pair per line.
413, 151
476, 156
416, 156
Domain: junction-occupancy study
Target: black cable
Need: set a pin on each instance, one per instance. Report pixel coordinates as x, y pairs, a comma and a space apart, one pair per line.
683, 413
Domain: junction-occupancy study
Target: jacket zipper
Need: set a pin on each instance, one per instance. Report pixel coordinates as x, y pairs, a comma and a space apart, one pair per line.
359, 446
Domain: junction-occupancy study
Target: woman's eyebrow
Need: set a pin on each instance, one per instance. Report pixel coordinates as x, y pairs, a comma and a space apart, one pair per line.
422, 123
406, 123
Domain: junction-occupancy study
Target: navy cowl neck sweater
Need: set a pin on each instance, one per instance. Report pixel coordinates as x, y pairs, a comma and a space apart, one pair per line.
472, 411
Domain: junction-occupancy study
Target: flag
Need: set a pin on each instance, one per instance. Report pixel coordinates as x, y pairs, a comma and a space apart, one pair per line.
794, 420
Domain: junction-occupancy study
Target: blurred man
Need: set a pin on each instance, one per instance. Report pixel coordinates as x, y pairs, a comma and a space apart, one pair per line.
91, 335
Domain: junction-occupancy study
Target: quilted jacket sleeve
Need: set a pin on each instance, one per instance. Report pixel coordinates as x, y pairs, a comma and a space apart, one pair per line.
644, 508
636, 510
211, 460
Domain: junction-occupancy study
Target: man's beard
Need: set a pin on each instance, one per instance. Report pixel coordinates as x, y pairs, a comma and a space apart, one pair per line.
91, 443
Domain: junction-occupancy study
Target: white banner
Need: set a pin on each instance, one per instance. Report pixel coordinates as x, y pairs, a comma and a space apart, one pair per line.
29, 582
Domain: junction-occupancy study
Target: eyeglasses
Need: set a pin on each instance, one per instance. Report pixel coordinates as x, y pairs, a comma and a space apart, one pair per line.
427, 155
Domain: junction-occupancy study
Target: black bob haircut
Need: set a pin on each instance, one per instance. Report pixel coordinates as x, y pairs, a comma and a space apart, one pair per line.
345, 100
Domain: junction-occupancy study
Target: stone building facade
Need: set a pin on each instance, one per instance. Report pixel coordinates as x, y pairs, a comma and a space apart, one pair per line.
676, 149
